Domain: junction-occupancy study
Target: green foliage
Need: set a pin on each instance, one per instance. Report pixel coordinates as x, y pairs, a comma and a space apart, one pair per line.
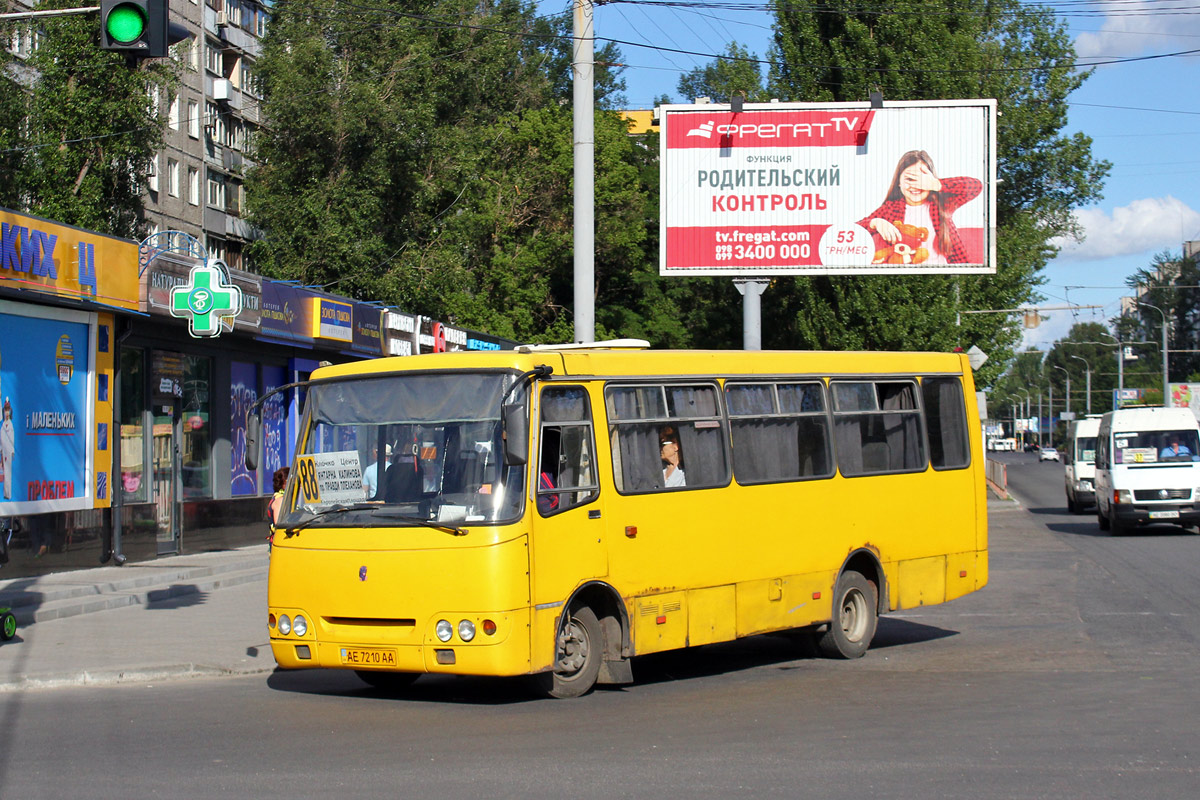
1169, 284
89, 132
736, 74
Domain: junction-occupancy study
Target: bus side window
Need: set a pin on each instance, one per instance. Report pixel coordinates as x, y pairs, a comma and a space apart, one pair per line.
780, 432
648, 420
566, 467
946, 421
877, 427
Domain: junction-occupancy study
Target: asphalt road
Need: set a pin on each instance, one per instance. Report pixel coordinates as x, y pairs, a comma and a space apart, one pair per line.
1073, 674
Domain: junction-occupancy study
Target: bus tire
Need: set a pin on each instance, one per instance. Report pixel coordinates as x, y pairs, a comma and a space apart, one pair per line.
1101, 520
855, 616
578, 651
387, 681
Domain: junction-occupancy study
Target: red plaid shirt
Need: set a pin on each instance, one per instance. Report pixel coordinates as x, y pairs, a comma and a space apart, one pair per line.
955, 192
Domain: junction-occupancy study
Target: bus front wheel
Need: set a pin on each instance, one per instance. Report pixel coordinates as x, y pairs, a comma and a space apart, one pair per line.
578, 650
855, 616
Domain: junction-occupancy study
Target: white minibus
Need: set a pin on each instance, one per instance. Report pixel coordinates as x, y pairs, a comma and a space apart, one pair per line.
1147, 468
1079, 463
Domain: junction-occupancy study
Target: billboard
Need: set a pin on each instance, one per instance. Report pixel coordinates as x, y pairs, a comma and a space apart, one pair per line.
828, 188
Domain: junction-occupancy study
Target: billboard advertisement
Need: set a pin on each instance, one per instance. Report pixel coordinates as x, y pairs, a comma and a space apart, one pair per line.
828, 189
46, 438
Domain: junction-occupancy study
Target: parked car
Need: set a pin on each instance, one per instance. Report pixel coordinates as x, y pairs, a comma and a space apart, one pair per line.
1048, 454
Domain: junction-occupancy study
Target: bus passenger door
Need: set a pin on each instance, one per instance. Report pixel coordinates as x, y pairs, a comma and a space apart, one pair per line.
567, 548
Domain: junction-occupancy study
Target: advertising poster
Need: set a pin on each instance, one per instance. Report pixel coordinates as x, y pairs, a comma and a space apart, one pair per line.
274, 422
243, 391
1185, 395
821, 188
46, 428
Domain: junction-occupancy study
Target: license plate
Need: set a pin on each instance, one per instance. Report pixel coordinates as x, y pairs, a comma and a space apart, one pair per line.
362, 657
1164, 515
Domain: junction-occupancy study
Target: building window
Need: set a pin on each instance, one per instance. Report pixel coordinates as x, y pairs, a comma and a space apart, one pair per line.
193, 186
173, 114
193, 119
216, 191
172, 177
212, 57
152, 175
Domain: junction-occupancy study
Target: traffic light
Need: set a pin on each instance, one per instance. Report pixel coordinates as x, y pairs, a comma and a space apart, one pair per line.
136, 27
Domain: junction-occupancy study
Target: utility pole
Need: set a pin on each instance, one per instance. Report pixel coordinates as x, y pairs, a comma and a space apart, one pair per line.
583, 63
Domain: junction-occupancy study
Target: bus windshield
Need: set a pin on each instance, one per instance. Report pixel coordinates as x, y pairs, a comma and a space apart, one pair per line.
403, 450
1150, 447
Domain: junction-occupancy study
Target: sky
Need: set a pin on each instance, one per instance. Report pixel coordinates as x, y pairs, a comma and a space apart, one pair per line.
1143, 117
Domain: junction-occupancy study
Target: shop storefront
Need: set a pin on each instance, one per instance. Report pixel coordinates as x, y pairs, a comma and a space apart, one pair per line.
128, 432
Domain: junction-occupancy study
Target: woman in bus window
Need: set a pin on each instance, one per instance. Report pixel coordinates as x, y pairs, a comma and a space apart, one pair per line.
672, 460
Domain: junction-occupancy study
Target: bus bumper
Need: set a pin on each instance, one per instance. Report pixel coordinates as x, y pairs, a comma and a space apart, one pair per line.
506, 655
1130, 516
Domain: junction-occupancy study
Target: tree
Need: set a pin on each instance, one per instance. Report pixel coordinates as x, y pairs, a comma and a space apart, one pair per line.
1170, 284
1017, 53
88, 132
736, 74
428, 164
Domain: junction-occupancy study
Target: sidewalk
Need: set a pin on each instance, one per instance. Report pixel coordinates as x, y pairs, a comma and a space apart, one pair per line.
202, 614
178, 617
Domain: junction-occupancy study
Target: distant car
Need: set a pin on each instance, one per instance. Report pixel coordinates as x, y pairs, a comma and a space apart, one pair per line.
1048, 454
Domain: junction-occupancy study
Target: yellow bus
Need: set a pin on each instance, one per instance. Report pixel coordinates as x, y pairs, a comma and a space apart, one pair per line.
555, 511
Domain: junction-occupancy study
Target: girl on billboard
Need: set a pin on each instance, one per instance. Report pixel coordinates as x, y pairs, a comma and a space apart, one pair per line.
918, 197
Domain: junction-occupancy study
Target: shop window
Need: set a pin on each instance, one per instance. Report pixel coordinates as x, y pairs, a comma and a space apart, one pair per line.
196, 455
134, 486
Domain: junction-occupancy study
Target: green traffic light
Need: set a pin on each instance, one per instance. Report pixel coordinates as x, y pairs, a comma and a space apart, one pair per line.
126, 23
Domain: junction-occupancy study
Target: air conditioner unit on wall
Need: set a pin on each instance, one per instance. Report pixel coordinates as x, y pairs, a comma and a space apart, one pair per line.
222, 19
222, 89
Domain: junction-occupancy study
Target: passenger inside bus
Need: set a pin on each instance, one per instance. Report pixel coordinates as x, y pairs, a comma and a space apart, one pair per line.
672, 458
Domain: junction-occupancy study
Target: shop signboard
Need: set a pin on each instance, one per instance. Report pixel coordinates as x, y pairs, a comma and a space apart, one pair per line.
828, 188
44, 256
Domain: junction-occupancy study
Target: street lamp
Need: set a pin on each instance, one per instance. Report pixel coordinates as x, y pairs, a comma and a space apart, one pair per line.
1166, 386
1088, 367
1068, 374
1028, 403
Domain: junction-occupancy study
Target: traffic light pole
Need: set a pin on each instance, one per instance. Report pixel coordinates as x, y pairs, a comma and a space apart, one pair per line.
56, 12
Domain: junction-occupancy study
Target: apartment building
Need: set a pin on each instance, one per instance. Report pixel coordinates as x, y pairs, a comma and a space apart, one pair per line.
196, 181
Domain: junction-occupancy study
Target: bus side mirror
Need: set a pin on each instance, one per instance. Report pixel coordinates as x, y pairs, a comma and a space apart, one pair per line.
515, 424
253, 429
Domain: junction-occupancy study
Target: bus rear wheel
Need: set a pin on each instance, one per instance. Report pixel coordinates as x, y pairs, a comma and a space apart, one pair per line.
578, 650
855, 616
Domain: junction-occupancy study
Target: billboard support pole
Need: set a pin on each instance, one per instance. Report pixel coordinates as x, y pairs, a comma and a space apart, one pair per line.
751, 292
584, 159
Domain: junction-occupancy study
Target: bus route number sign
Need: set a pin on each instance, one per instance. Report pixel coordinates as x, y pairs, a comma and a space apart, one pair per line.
327, 478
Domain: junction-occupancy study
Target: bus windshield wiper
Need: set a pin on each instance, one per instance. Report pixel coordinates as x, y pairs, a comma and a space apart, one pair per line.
428, 523
291, 530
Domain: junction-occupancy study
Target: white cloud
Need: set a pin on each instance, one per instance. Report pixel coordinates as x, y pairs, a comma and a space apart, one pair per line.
1151, 224
1146, 26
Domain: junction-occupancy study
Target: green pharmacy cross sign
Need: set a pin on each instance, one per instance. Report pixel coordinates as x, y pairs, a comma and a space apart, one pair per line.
206, 300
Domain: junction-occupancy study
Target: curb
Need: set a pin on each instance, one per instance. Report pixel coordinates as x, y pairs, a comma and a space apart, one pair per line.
113, 677
88, 599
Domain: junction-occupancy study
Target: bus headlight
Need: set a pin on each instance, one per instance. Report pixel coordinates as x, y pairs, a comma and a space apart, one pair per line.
466, 630
285, 625
444, 630
300, 625
1123, 496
